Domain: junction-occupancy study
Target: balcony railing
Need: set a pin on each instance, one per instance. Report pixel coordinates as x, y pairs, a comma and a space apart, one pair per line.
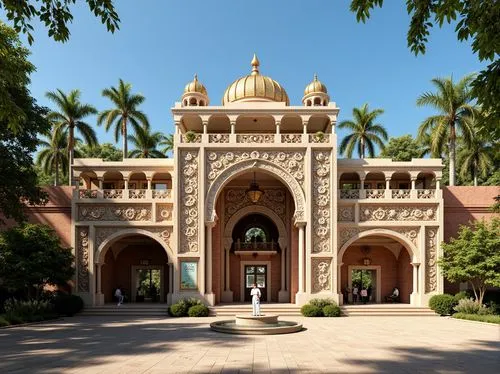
255, 246
262, 138
392, 194
122, 194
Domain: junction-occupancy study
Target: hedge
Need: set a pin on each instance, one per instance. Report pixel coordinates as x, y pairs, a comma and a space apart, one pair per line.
198, 311
492, 318
443, 304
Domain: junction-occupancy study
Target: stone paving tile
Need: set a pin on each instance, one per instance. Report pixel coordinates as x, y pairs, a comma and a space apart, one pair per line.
83, 345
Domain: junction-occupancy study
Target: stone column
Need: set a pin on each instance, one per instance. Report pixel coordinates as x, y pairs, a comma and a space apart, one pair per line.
170, 283
208, 282
362, 192
99, 294
277, 138
388, 192
283, 294
413, 192
415, 292
301, 258
227, 295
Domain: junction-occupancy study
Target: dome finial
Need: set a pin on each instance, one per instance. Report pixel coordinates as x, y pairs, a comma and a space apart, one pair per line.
255, 65
315, 77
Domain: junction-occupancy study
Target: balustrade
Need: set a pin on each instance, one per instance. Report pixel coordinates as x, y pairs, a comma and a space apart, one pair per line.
87, 194
137, 194
426, 194
375, 194
112, 194
257, 246
162, 194
349, 194
401, 194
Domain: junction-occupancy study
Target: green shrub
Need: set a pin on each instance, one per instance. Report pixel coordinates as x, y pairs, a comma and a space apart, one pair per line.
331, 310
3, 322
310, 310
178, 309
442, 304
468, 306
68, 305
28, 311
13, 319
321, 303
477, 317
199, 310
461, 295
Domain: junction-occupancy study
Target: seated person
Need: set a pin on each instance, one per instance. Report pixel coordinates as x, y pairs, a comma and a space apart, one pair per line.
394, 296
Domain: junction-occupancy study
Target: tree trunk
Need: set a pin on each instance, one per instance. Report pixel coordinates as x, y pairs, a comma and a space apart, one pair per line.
474, 173
453, 137
56, 178
362, 141
71, 144
124, 134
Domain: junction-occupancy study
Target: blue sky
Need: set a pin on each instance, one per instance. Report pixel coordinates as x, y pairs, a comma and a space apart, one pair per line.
161, 45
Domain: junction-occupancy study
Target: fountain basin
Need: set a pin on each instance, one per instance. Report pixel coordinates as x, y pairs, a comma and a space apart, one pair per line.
256, 325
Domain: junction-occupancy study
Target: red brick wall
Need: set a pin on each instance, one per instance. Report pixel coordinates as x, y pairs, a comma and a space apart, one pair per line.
56, 213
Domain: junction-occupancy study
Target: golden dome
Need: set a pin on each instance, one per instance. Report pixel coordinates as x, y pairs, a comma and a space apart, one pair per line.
315, 86
255, 86
195, 86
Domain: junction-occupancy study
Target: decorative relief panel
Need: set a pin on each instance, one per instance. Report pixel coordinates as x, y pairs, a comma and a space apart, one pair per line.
189, 217
102, 233
236, 199
346, 213
347, 233
82, 258
292, 162
164, 212
321, 274
430, 259
321, 202
291, 138
218, 138
398, 213
255, 138
114, 212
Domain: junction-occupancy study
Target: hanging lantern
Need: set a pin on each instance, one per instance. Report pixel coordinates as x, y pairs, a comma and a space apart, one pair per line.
254, 192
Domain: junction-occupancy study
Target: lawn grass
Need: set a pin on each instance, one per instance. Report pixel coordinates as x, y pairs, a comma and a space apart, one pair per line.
491, 318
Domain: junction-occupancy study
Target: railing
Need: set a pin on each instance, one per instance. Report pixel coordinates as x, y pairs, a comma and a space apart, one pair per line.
401, 194
375, 194
122, 194
262, 138
291, 138
395, 194
257, 246
255, 138
218, 138
137, 194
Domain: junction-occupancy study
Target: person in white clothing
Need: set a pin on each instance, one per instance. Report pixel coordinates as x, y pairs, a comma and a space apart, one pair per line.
255, 293
119, 296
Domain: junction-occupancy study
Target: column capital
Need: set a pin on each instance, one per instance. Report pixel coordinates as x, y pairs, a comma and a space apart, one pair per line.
415, 264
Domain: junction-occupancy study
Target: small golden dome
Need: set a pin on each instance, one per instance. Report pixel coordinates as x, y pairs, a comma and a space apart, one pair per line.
315, 86
255, 86
195, 86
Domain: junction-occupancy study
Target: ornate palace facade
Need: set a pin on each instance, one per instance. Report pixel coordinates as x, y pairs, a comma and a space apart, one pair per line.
255, 193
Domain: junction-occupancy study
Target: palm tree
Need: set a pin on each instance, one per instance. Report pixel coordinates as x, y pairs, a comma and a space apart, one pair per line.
476, 155
425, 143
145, 143
364, 132
168, 144
54, 154
453, 102
126, 111
70, 117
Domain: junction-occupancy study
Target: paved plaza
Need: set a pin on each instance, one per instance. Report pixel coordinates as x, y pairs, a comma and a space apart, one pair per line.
354, 344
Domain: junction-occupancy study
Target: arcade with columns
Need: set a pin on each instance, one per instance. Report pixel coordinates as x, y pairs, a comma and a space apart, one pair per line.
255, 193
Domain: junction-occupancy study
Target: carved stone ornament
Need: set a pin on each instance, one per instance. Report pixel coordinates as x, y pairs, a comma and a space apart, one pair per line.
236, 199
255, 138
83, 258
347, 233
114, 212
164, 212
398, 213
431, 259
189, 218
321, 202
345, 214
292, 162
321, 274
255, 159
162, 233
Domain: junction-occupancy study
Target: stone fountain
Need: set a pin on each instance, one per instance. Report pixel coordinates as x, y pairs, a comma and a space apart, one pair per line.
256, 325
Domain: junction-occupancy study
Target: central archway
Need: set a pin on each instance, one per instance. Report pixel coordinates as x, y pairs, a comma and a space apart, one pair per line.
252, 165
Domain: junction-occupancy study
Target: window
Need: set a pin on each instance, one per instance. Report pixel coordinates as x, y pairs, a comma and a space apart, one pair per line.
160, 186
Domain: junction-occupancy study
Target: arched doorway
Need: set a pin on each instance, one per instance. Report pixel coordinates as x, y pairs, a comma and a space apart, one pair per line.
138, 264
378, 264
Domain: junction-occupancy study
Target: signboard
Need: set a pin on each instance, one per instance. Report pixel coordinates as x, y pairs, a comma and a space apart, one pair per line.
189, 275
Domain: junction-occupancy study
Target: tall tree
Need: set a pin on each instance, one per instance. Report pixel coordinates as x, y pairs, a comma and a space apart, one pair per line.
145, 144
126, 111
402, 148
474, 257
55, 15
53, 155
365, 133
70, 116
21, 120
105, 151
476, 20
168, 144
475, 156
453, 101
